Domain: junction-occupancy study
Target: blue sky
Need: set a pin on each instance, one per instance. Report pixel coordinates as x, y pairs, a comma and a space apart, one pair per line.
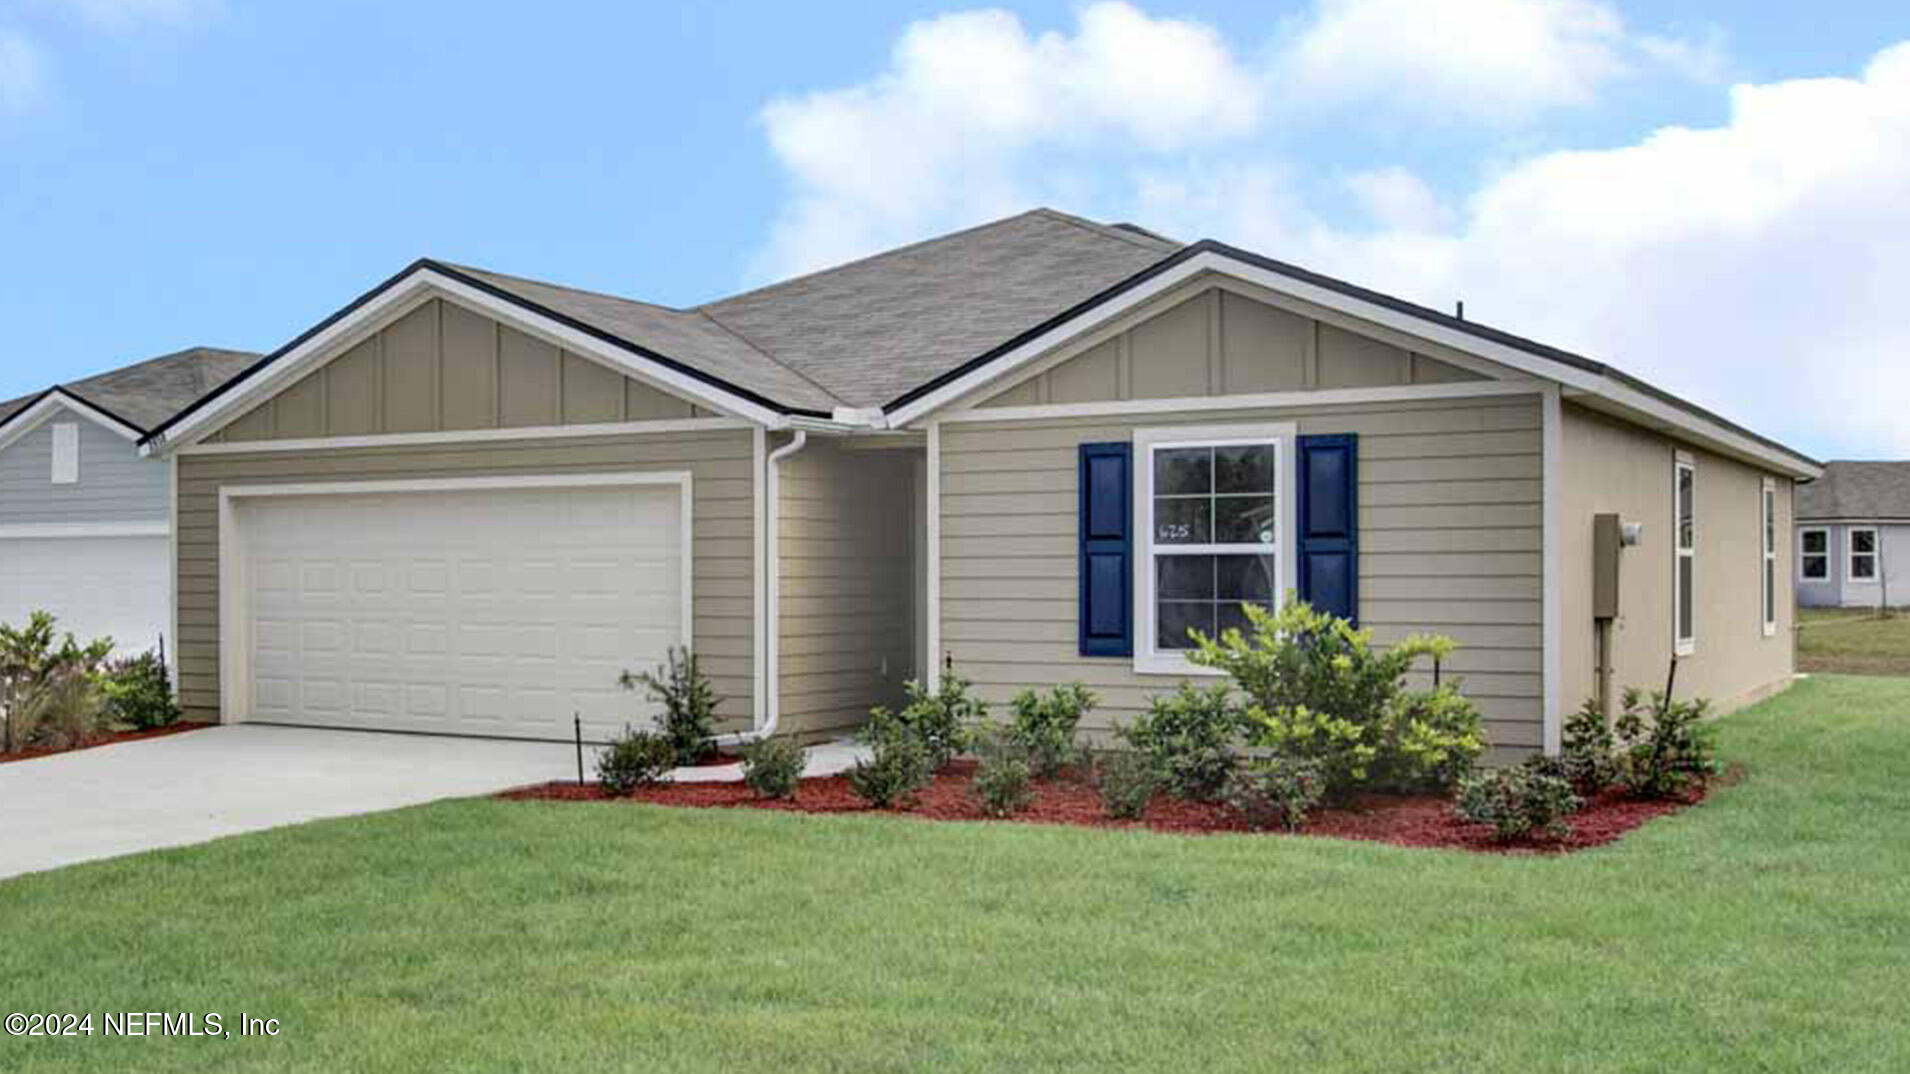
175, 172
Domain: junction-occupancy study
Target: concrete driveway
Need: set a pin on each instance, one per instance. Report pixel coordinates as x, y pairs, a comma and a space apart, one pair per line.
201, 785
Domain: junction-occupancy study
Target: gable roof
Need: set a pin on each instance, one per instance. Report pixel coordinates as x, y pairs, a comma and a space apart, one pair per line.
143, 395
1856, 492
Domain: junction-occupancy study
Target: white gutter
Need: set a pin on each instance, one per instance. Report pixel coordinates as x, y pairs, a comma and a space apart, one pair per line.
772, 572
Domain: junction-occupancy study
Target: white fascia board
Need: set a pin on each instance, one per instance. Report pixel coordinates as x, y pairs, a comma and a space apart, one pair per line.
470, 436
1573, 379
421, 285
50, 405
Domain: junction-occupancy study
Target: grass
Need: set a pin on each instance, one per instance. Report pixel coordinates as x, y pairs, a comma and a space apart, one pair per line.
1767, 930
1853, 641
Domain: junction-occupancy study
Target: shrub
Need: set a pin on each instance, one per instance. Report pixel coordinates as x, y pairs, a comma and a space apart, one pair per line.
899, 766
1317, 690
1664, 745
1517, 802
1044, 725
1588, 753
49, 685
688, 701
773, 766
1275, 791
941, 718
1189, 737
1002, 781
1127, 781
138, 692
634, 759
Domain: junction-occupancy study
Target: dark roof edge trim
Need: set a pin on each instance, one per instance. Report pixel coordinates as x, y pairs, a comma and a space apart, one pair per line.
61, 389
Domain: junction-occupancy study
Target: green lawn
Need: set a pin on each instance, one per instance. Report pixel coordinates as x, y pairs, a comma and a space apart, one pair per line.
1767, 930
1853, 641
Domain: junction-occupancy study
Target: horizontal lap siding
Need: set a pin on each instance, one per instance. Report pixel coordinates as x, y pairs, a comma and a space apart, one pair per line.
720, 464
845, 602
1450, 532
115, 485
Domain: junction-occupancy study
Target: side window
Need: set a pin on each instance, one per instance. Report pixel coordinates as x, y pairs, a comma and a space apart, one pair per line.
1813, 555
1685, 536
1863, 553
1767, 565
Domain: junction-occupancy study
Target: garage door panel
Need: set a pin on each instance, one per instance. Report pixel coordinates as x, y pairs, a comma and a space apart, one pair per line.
495, 612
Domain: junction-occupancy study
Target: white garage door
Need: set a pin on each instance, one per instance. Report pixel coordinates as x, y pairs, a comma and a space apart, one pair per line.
97, 586
474, 612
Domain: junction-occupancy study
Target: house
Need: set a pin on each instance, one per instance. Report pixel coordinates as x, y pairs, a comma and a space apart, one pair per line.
1038, 450
1853, 536
85, 518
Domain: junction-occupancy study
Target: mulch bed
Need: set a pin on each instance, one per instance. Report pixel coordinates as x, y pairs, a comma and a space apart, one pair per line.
104, 738
1418, 821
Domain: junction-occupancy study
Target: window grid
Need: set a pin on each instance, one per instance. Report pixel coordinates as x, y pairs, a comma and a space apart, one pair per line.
1180, 601
1813, 555
1863, 553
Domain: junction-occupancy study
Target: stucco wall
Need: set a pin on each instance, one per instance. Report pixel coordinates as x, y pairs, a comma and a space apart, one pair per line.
1614, 466
115, 485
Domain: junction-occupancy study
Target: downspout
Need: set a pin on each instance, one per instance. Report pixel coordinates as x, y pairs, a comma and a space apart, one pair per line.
772, 571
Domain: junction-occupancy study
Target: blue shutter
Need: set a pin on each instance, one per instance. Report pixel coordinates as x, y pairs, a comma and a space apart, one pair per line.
1106, 607
1329, 553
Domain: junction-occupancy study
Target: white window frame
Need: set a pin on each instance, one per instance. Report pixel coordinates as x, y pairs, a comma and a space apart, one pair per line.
1767, 563
1282, 435
1875, 554
66, 452
1684, 644
1826, 555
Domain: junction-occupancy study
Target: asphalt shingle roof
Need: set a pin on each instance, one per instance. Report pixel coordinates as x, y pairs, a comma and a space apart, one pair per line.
146, 393
1856, 490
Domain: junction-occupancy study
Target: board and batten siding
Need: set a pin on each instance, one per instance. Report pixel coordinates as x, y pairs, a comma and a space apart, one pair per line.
1450, 538
720, 461
441, 367
846, 600
115, 485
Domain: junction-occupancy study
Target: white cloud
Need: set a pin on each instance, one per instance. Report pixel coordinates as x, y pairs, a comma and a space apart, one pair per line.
1497, 61
1704, 58
121, 15
943, 133
22, 73
1394, 197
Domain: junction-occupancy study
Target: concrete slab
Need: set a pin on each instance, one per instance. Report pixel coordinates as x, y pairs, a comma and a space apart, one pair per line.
192, 787
822, 759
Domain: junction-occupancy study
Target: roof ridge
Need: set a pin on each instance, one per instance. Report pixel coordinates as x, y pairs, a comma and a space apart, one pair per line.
561, 286
917, 244
1108, 230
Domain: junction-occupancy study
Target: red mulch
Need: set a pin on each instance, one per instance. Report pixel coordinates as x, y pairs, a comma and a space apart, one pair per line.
104, 738
1417, 821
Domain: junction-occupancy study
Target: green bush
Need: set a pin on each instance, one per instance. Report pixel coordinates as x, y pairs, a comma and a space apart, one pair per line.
688, 701
1588, 753
1127, 781
1044, 726
138, 692
1518, 802
899, 766
1003, 779
941, 718
1276, 791
1664, 746
1190, 737
633, 760
773, 766
1317, 690
49, 685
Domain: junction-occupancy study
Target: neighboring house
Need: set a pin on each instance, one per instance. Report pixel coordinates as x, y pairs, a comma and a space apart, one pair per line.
1853, 536
1038, 450
85, 519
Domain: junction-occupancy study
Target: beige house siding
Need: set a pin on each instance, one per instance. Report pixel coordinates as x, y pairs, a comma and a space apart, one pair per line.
846, 604
1207, 339
723, 499
1450, 535
443, 368
1614, 466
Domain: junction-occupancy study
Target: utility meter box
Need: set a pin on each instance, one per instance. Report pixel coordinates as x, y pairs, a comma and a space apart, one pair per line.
1608, 536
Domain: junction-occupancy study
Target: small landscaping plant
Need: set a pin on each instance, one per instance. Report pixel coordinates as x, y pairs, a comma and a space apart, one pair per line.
1044, 726
688, 701
899, 766
1588, 750
49, 685
1518, 802
772, 767
941, 718
138, 692
1277, 791
633, 760
1189, 737
1127, 782
1664, 745
1317, 690
1003, 782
